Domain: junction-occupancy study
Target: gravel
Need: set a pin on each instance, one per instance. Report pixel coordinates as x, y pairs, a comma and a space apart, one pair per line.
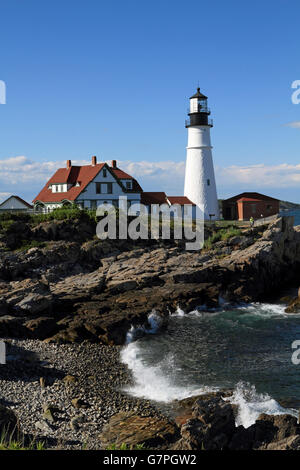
40, 376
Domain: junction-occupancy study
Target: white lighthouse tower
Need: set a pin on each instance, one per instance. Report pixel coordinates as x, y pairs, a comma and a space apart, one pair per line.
200, 184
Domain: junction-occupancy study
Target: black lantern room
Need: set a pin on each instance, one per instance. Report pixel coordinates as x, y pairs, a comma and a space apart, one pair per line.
198, 112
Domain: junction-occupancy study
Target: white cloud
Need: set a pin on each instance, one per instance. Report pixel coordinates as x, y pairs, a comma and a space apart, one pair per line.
22, 176
154, 176
4, 196
165, 176
283, 175
293, 124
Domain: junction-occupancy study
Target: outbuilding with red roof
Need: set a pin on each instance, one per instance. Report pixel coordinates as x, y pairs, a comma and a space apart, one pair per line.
246, 205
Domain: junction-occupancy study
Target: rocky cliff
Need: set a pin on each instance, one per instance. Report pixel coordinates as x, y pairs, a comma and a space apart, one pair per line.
67, 291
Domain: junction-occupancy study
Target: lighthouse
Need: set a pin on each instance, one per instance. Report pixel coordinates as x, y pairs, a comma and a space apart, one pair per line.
200, 184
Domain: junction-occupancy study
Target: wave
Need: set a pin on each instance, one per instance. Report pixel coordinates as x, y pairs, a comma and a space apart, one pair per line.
251, 404
154, 382
135, 332
255, 308
164, 381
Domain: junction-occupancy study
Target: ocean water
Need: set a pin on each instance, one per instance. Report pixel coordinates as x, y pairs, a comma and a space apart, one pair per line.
246, 348
295, 214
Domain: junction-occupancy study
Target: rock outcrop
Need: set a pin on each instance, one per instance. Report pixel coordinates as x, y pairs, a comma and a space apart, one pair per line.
95, 290
209, 425
132, 430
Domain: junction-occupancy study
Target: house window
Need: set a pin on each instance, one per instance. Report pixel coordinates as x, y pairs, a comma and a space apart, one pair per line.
94, 205
103, 188
208, 182
128, 185
104, 173
269, 207
253, 207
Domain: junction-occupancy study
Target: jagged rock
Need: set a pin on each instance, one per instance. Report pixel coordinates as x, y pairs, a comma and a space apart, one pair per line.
81, 286
289, 443
269, 428
44, 426
242, 438
26, 296
293, 306
95, 290
211, 428
41, 327
183, 409
130, 429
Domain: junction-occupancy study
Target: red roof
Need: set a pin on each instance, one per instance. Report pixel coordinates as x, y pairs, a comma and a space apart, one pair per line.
153, 198
248, 199
180, 200
120, 173
257, 196
83, 175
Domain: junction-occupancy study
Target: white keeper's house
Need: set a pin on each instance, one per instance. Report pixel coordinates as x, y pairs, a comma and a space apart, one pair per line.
89, 186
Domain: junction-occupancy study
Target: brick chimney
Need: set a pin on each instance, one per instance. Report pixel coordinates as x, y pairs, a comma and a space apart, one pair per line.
94, 160
69, 164
114, 163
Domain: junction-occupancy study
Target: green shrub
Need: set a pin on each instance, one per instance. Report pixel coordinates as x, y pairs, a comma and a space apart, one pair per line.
7, 442
125, 447
221, 235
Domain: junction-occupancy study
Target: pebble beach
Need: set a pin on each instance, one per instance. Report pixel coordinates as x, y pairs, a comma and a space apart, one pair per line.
63, 394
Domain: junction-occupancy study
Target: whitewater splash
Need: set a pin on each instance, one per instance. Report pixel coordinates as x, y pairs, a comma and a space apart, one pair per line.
251, 404
164, 380
135, 332
154, 382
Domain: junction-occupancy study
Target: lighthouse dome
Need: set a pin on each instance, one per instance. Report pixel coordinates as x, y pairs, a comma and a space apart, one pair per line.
199, 95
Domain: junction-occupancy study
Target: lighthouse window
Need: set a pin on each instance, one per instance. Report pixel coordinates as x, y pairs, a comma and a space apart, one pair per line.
208, 182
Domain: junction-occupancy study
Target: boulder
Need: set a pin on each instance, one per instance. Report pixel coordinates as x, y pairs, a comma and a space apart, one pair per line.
289, 443
211, 428
130, 429
183, 409
274, 428
41, 327
293, 306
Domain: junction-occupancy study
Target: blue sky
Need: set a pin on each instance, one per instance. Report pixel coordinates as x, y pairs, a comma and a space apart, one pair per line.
113, 79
